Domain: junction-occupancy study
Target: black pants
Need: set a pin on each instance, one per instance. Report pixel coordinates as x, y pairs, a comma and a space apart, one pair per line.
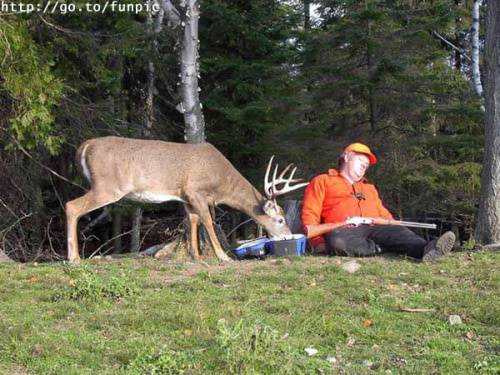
368, 240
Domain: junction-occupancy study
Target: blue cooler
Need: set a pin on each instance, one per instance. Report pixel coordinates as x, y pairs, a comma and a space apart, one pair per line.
252, 249
293, 245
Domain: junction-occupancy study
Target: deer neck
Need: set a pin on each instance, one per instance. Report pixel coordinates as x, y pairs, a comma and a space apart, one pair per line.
244, 197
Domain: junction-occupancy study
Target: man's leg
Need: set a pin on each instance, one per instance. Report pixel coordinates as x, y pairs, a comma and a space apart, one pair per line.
398, 239
352, 242
372, 240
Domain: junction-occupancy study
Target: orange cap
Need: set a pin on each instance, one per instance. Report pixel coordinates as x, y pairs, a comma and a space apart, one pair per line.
362, 149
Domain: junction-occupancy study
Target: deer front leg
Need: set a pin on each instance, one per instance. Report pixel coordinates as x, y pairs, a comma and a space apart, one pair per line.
71, 224
200, 207
193, 220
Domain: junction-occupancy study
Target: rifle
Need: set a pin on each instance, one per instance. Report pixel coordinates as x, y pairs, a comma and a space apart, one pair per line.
319, 230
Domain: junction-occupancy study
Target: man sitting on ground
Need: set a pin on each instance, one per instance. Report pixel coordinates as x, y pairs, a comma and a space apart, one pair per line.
339, 196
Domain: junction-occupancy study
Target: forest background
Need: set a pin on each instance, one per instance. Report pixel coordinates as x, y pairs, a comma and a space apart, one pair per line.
275, 78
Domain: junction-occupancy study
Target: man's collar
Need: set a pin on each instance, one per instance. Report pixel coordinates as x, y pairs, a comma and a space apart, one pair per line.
334, 173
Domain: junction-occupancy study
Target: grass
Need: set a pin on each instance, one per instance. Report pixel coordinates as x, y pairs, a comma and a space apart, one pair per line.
141, 316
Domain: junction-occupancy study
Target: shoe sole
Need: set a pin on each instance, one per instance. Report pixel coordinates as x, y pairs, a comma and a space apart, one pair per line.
443, 246
445, 242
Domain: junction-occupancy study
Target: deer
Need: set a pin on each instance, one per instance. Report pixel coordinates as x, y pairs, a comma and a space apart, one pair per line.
198, 175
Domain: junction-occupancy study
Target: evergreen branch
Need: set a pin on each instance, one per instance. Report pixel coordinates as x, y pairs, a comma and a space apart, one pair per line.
21, 148
90, 33
410, 91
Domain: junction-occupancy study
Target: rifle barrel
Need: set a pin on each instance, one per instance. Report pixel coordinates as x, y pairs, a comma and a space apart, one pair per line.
418, 225
406, 223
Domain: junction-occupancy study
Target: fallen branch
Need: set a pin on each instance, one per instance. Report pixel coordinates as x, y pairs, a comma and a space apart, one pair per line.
96, 221
406, 309
452, 45
104, 244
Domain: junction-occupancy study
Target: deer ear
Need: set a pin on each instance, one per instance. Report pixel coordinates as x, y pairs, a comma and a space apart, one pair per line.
270, 208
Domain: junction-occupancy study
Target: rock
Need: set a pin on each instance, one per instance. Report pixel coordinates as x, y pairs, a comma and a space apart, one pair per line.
455, 319
165, 251
4, 258
470, 335
351, 266
311, 351
367, 363
331, 359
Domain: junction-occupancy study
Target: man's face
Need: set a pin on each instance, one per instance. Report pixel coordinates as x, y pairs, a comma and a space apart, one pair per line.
356, 165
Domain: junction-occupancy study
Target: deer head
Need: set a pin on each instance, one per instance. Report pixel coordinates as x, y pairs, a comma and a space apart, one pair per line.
275, 223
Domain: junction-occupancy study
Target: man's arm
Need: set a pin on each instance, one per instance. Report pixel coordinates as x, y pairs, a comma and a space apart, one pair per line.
312, 206
313, 231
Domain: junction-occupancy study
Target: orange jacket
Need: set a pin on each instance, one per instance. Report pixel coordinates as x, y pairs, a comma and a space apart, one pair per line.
330, 198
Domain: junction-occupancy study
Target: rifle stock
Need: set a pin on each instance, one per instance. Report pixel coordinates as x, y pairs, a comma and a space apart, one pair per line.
319, 230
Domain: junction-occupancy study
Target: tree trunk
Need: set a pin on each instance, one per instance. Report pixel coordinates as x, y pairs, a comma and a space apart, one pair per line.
307, 14
476, 75
488, 226
135, 240
117, 231
37, 207
371, 94
458, 40
150, 86
154, 26
191, 105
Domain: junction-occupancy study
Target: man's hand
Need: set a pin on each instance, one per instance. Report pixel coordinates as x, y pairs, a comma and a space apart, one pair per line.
356, 221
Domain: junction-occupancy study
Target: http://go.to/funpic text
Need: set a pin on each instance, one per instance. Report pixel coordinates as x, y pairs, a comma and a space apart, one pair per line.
59, 7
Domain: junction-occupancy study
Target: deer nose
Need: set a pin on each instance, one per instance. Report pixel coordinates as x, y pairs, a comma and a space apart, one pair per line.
282, 232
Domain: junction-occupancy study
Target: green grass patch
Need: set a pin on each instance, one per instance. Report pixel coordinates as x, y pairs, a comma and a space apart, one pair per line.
140, 316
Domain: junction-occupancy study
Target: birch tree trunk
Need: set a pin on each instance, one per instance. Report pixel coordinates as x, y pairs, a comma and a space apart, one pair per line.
488, 226
476, 75
190, 105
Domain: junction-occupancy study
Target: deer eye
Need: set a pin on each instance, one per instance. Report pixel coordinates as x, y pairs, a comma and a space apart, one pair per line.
281, 221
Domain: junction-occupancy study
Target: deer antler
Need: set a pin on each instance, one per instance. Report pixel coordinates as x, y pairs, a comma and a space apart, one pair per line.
270, 186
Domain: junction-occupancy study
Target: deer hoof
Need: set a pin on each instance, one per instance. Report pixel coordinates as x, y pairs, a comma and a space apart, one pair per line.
75, 261
225, 258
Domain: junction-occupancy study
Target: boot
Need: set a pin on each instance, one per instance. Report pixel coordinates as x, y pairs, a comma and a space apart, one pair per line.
436, 249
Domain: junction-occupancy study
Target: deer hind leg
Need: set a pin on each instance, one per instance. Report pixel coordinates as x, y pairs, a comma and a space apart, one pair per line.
198, 205
76, 209
208, 223
194, 219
